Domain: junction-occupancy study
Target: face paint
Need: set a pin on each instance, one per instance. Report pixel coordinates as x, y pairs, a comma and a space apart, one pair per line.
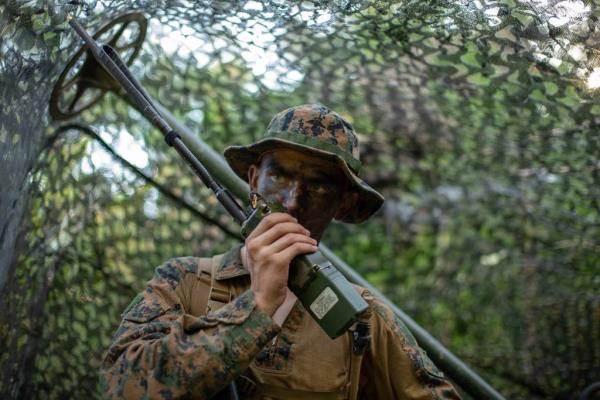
309, 188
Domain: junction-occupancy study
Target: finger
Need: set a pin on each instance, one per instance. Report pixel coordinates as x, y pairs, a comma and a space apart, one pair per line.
263, 242
277, 231
289, 239
270, 220
296, 249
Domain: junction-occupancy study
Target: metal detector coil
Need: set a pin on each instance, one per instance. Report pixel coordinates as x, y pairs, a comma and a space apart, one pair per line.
84, 81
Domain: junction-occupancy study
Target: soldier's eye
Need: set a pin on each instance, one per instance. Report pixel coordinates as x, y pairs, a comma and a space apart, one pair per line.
318, 189
275, 177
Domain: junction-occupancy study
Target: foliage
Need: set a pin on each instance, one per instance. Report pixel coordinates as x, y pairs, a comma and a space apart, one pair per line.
479, 122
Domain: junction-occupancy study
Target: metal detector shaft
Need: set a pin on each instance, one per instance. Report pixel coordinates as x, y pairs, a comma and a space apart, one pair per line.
110, 61
329, 298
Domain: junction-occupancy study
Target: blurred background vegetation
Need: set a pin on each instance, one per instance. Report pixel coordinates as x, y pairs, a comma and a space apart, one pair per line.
478, 120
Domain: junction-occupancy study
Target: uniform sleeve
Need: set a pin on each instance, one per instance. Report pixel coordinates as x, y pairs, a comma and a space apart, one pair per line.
160, 352
395, 367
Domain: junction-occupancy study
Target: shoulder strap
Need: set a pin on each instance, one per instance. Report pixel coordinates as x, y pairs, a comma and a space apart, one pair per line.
202, 287
360, 337
220, 292
204, 267
214, 294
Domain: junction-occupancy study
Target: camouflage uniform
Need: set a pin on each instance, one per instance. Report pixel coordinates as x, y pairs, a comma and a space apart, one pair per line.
168, 346
165, 348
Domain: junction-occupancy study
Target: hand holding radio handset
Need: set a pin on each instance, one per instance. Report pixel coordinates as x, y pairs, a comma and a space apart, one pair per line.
268, 252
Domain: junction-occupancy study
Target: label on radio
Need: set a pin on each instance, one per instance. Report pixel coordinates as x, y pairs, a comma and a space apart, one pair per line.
324, 302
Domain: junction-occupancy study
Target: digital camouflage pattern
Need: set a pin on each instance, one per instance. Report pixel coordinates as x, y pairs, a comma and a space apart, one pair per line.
164, 348
331, 131
319, 130
162, 351
426, 372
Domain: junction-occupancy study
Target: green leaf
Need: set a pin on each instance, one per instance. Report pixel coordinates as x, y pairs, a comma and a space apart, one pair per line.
48, 36
478, 79
469, 57
524, 19
551, 88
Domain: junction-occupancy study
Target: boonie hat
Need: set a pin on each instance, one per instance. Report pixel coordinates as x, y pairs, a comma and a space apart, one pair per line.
315, 129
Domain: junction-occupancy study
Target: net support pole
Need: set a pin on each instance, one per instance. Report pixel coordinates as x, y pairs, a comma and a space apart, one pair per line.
457, 370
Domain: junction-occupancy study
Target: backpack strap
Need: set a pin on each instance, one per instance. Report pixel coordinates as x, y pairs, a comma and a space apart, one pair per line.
202, 287
220, 292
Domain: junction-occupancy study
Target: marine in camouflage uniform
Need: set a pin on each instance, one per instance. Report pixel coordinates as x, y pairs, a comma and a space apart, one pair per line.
174, 341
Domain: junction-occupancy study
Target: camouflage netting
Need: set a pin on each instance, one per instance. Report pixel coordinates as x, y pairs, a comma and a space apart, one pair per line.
480, 122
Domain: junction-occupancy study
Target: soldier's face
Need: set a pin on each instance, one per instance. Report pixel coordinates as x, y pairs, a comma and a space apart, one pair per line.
311, 189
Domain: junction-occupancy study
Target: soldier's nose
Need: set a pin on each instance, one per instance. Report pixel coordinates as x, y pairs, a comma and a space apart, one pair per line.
291, 201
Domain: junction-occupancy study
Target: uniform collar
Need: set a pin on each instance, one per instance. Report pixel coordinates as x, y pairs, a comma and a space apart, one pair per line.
231, 265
